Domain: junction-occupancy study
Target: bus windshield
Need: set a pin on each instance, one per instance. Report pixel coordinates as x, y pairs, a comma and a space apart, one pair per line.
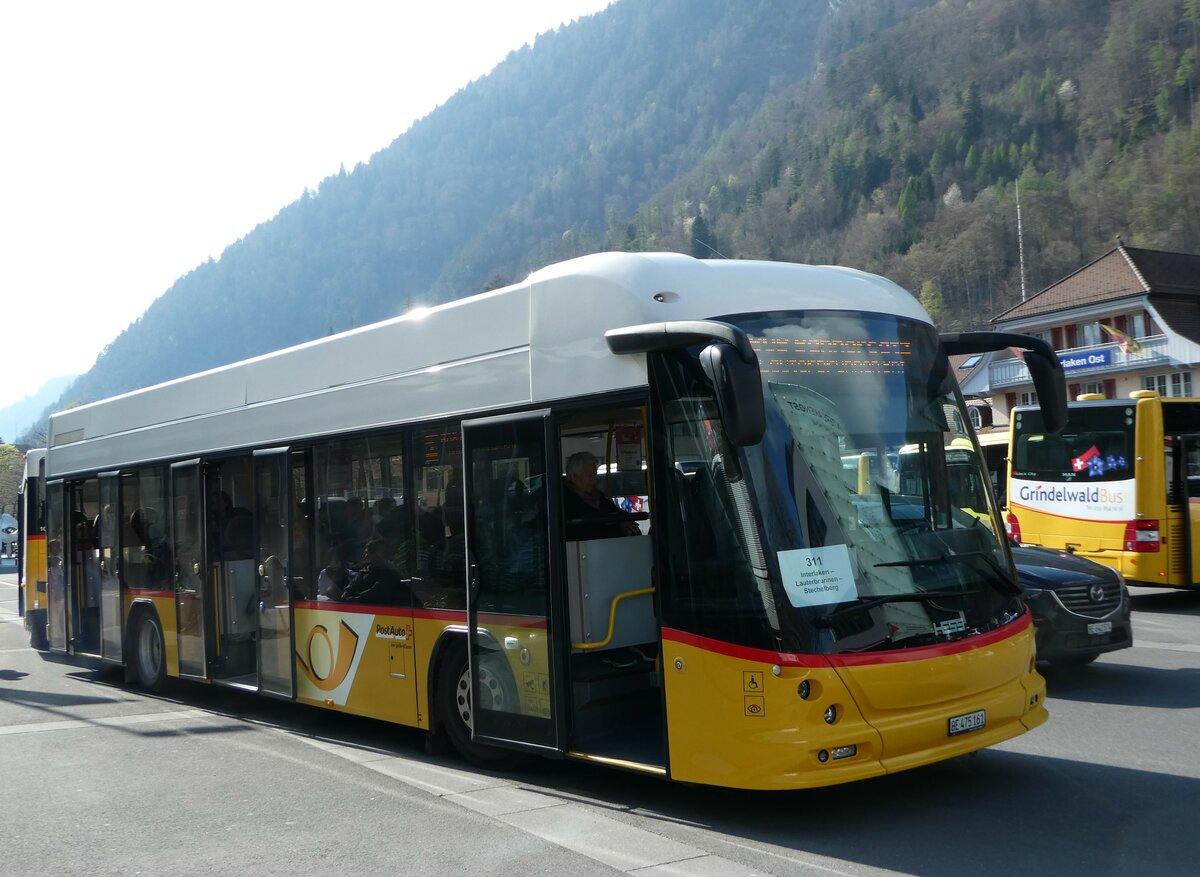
1096, 446
877, 525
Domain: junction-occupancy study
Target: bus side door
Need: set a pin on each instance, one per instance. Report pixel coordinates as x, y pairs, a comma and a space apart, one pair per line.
510, 600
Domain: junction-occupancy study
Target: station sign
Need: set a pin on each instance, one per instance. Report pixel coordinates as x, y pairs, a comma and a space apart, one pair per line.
1091, 359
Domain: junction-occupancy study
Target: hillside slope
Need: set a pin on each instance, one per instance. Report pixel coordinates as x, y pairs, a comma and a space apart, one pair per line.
891, 136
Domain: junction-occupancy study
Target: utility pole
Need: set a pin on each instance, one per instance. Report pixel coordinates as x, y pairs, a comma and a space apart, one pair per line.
1020, 241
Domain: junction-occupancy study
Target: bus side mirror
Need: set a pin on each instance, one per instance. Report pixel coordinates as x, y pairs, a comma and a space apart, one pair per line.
1044, 368
738, 388
728, 359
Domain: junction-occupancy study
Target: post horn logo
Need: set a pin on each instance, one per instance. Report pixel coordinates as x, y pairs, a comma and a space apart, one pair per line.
341, 659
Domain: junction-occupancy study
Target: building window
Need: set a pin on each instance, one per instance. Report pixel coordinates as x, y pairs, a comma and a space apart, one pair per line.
1136, 324
1092, 387
1089, 334
1029, 398
976, 417
1174, 384
971, 361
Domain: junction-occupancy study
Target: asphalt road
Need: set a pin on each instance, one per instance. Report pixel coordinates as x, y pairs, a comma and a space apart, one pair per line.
98, 778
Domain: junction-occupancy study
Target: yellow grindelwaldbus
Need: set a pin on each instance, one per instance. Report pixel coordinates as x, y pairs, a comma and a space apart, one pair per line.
378, 523
1120, 485
31, 547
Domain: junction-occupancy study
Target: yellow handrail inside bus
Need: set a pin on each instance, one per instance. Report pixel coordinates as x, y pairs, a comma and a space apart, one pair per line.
612, 619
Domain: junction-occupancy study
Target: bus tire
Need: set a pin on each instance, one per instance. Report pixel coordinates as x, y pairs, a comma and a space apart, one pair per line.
149, 653
454, 710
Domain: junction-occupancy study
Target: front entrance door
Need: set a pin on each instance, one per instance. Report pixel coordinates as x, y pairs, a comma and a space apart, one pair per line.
513, 658
272, 510
187, 498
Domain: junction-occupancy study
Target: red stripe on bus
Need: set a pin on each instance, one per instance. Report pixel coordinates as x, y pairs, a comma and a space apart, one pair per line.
746, 653
942, 650
149, 592
451, 615
352, 608
790, 659
37, 537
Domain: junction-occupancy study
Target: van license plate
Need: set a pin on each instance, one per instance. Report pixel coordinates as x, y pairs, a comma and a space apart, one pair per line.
1100, 628
969, 722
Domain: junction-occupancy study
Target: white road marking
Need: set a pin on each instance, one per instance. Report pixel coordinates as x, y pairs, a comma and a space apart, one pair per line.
1170, 647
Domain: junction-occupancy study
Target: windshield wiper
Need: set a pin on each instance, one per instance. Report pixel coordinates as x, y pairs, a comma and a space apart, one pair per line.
911, 597
999, 578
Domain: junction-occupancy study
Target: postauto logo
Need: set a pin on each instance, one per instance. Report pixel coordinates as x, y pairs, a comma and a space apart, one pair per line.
319, 644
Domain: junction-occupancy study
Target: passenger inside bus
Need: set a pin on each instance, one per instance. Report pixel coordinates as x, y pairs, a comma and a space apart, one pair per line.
156, 556
589, 514
334, 578
378, 581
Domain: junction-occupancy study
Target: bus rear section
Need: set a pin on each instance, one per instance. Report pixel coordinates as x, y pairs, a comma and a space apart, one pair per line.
1114, 487
31, 552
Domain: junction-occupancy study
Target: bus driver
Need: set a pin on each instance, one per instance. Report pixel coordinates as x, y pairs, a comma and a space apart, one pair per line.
588, 512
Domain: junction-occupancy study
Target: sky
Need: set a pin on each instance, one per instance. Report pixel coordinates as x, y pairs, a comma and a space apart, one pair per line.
142, 138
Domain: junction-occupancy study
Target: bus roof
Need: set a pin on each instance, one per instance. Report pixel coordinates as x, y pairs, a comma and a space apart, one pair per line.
535, 341
33, 457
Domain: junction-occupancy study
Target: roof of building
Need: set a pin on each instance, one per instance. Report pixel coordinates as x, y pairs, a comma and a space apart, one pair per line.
1123, 272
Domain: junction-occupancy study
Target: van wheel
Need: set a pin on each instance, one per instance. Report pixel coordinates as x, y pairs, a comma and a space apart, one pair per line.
149, 653
457, 712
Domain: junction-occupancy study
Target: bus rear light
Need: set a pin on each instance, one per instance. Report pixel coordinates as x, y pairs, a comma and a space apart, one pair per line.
1013, 526
1142, 536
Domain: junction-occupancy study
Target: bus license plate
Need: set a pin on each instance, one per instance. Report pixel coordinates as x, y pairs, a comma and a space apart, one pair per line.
1100, 627
969, 722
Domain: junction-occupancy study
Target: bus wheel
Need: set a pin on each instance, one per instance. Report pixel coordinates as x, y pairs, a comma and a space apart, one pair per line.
456, 710
149, 655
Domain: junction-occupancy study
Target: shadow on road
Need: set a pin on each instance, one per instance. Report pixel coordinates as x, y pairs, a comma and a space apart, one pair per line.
1125, 685
984, 814
990, 814
1165, 601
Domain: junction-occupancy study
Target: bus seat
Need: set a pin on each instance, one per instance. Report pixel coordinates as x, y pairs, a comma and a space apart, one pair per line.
599, 571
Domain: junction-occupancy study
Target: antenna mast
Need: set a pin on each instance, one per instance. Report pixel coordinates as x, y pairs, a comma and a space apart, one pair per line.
1020, 241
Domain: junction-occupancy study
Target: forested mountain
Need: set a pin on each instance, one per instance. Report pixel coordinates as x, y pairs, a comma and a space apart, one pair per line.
883, 134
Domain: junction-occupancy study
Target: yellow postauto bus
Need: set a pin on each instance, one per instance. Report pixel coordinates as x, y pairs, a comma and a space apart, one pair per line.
1120, 485
31, 547
398, 522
